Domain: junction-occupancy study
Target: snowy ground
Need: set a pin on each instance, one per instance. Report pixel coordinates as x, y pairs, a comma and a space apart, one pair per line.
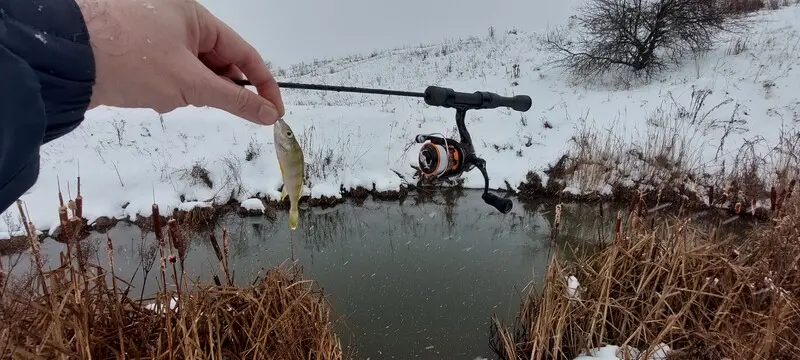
128, 157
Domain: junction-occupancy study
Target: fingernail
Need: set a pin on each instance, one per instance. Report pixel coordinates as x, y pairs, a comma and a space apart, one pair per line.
267, 115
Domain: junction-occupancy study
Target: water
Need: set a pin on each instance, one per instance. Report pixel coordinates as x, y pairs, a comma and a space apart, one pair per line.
410, 280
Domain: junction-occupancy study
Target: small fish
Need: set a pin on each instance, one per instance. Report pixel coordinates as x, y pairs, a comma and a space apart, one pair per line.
292, 165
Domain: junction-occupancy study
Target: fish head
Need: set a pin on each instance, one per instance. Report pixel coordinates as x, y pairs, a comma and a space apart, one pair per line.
285, 140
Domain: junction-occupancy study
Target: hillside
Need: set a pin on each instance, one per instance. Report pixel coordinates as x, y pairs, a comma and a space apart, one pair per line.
747, 86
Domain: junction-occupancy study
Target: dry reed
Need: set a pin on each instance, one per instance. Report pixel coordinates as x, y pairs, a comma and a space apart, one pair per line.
72, 312
705, 295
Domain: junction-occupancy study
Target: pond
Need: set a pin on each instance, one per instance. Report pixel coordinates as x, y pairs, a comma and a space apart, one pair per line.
417, 279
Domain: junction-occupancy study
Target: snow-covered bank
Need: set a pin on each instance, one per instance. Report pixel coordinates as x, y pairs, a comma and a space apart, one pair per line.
128, 157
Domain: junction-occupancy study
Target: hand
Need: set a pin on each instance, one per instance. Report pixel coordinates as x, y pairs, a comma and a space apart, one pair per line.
165, 54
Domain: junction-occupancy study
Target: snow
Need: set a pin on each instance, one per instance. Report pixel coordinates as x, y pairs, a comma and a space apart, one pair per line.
253, 204
608, 352
41, 37
130, 158
189, 205
325, 190
613, 352
173, 303
572, 285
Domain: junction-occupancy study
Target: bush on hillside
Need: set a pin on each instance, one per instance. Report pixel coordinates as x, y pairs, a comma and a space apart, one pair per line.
639, 35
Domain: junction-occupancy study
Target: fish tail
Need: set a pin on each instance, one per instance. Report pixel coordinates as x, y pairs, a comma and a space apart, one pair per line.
294, 214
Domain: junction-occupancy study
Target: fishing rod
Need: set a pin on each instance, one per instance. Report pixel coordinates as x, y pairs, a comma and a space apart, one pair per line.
441, 158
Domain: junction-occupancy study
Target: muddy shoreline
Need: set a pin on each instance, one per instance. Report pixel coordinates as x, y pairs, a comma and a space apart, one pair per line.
532, 191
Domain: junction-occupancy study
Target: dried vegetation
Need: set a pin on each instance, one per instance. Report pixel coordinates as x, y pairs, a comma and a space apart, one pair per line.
665, 162
80, 310
705, 294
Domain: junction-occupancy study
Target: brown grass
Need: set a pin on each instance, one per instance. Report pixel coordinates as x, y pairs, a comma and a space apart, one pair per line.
80, 311
664, 161
705, 295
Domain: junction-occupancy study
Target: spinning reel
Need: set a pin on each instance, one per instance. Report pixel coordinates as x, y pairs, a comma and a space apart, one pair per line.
441, 158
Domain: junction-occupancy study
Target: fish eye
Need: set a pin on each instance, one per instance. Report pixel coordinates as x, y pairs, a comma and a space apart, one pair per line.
289, 133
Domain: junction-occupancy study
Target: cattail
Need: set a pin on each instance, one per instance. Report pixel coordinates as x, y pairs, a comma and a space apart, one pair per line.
172, 261
221, 262
753, 207
63, 217
710, 195
558, 215
34, 241
62, 209
556, 224
738, 208
640, 204
215, 245
79, 201
157, 226
60, 196
225, 246
618, 228
160, 239
72, 207
773, 199
179, 239
110, 248
37, 253
116, 299
23, 217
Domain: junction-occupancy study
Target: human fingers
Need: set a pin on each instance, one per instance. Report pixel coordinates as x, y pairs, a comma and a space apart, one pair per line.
221, 67
216, 36
209, 89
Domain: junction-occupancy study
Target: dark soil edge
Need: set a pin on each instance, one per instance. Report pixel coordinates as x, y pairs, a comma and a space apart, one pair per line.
532, 190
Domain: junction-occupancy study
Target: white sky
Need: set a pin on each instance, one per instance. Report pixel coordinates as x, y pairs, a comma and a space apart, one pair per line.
291, 31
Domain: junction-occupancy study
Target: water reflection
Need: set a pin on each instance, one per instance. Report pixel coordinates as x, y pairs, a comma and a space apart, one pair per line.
418, 280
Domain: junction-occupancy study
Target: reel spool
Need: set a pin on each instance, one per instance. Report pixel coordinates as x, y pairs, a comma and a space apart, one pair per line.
440, 160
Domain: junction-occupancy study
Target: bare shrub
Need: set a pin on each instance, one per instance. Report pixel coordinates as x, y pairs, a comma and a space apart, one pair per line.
232, 176
253, 150
197, 174
644, 36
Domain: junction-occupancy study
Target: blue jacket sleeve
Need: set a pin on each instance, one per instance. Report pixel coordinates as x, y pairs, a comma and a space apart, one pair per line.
47, 74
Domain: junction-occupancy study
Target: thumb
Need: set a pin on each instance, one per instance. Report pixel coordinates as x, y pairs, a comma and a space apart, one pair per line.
223, 94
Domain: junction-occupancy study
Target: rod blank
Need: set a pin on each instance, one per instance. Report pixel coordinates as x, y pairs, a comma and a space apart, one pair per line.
290, 85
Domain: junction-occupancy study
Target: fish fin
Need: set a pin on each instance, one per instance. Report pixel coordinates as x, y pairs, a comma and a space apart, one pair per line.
294, 214
283, 193
280, 166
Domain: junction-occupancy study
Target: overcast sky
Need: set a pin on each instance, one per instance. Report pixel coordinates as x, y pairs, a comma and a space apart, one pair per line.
291, 31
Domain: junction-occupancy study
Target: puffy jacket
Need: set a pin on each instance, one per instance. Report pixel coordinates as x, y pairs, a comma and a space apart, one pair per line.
47, 74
